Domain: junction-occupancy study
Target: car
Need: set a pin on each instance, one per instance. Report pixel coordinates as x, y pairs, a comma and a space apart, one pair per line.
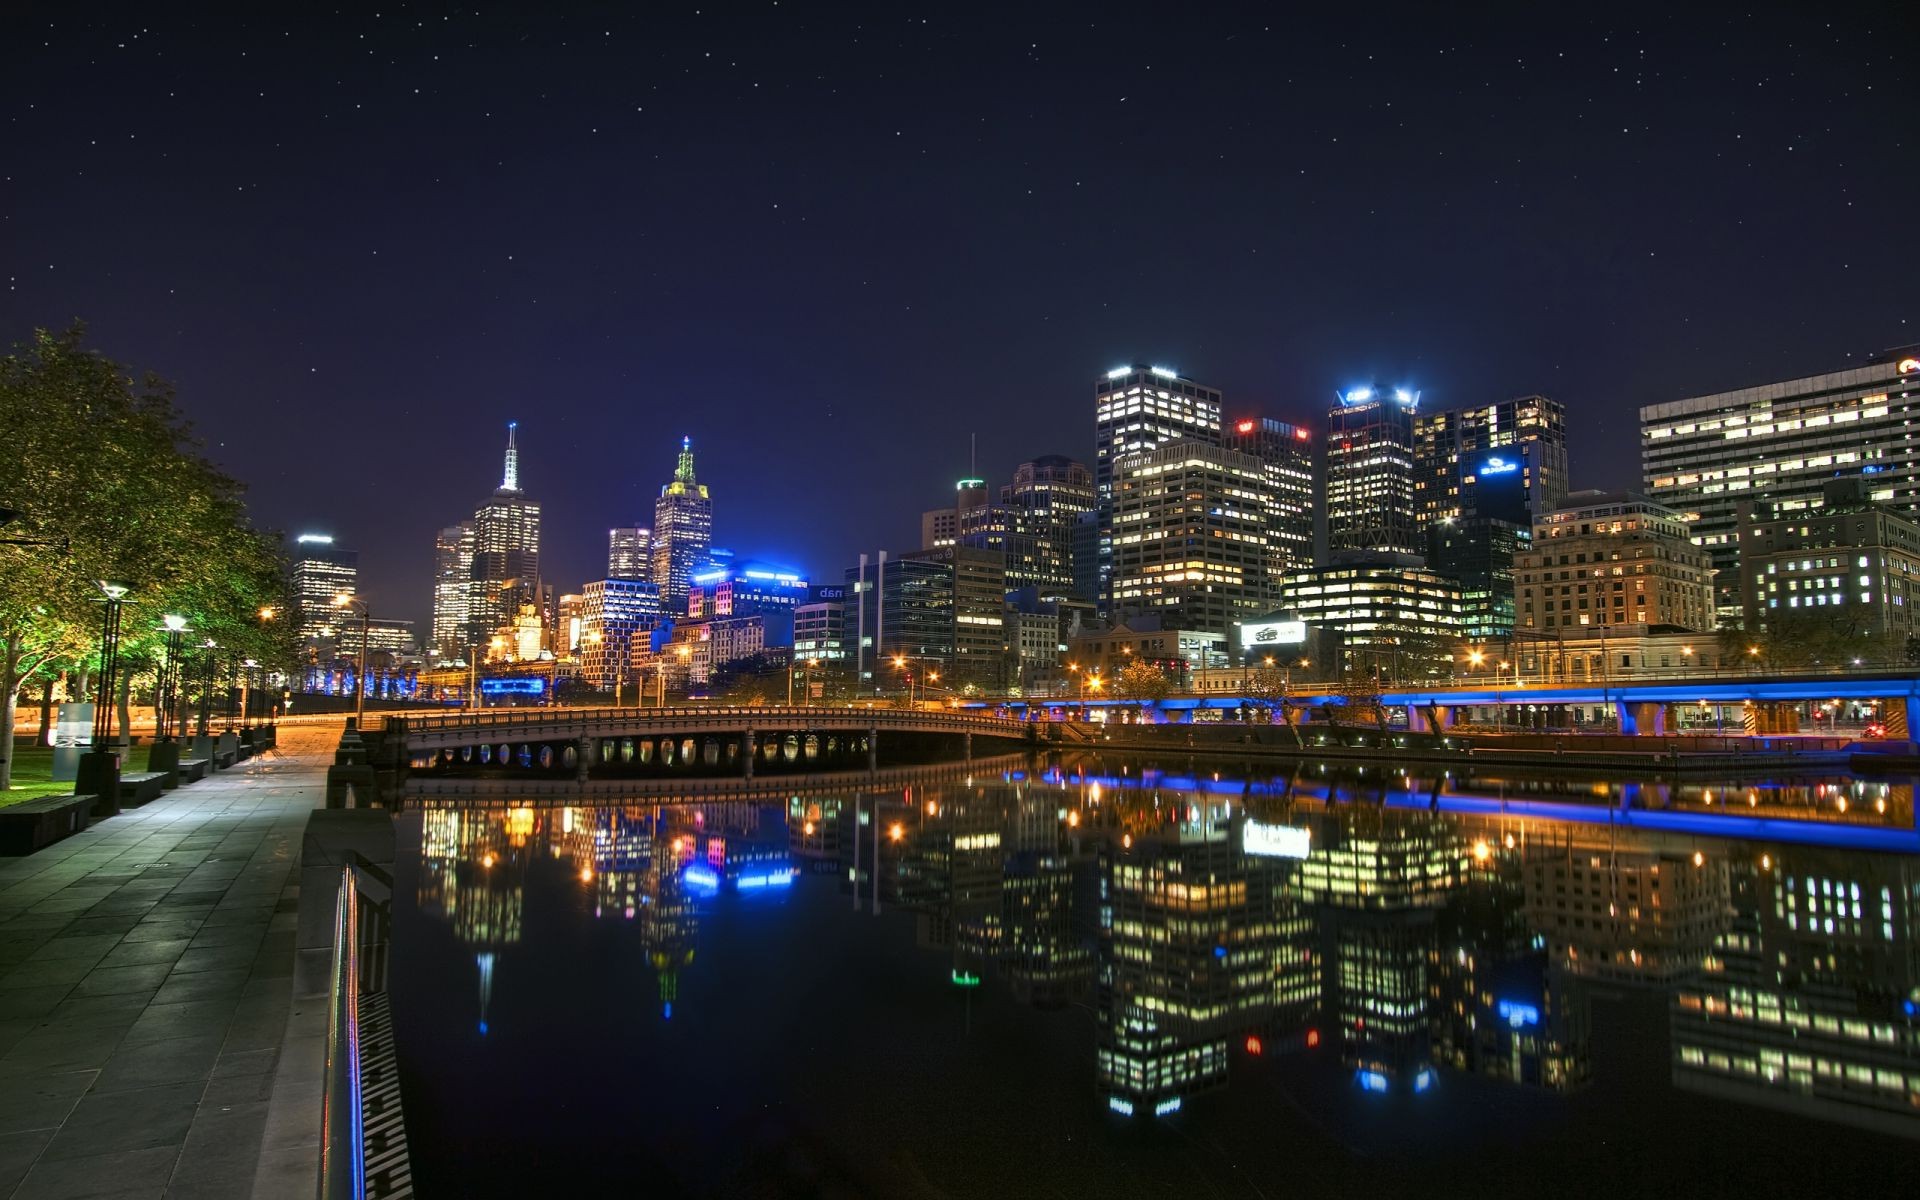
1875, 730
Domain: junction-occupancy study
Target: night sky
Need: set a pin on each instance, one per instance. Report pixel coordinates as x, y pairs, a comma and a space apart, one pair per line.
830, 243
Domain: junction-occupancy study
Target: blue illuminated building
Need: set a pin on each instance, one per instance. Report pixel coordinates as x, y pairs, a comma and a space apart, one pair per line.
743, 589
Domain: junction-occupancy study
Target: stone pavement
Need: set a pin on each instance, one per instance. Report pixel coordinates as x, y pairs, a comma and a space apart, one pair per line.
146, 967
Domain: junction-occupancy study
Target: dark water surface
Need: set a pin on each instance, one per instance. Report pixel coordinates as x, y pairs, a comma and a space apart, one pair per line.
1090, 978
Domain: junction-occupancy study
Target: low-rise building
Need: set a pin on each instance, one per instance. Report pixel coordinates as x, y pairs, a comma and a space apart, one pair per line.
1612, 558
1850, 564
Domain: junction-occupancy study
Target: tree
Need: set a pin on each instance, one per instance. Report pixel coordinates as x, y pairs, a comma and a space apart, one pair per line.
1142, 680
102, 470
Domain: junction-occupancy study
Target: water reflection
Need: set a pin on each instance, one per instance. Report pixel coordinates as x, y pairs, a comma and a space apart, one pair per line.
1414, 931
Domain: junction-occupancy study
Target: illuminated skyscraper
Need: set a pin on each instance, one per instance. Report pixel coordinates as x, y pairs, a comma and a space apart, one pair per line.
1286, 457
1041, 505
682, 532
630, 553
1523, 442
321, 572
452, 580
1370, 473
506, 553
1189, 535
1136, 409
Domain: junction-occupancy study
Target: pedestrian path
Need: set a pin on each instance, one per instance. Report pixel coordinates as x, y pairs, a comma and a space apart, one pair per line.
145, 986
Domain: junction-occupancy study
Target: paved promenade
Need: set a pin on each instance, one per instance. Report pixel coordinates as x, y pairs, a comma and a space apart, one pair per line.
145, 993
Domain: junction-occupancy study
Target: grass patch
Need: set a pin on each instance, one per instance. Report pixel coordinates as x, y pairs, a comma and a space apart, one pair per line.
33, 775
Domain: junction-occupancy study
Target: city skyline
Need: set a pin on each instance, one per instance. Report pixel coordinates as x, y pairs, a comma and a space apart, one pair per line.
672, 225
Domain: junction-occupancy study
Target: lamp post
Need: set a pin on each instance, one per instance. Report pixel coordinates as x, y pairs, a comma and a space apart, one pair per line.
98, 771
343, 600
109, 661
167, 718
247, 668
206, 688
811, 663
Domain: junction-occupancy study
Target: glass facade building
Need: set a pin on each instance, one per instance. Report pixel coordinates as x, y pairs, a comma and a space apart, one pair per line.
1136, 409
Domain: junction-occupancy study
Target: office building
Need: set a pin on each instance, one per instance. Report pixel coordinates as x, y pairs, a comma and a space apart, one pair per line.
820, 627
1394, 618
682, 532
1780, 443
452, 583
1189, 534
506, 553
1478, 553
1850, 565
1369, 495
939, 526
1043, 505
1285, 453
978, 641
630, 553
1180, 653
899, 608
612, 613
321, 571
569, 614
1613, 558
742, 588
1136, 409
1523, 442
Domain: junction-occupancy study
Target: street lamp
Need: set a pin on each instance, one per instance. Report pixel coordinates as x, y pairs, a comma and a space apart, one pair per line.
811, 663
247, 668
167, 718
109, 660
343, 600
206, 689
98, 771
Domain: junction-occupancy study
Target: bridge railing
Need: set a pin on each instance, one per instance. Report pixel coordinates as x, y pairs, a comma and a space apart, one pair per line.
507, 720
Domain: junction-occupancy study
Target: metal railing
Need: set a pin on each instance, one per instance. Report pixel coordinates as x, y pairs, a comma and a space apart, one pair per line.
700, 719
362, 918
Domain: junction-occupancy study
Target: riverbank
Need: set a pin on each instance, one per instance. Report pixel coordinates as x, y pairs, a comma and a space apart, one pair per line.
1592, 754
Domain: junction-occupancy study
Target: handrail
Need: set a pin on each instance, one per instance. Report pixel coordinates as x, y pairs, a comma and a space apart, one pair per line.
357, 933
690, 718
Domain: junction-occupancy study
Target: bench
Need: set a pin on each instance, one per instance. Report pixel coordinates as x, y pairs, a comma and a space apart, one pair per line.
223, 759
138, 787
192, 770
33, 824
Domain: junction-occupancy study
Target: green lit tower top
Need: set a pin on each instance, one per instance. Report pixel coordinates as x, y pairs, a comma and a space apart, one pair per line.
682, 532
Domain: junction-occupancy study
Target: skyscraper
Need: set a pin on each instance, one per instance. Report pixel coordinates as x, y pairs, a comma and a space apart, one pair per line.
452, 581
1189, 535
630, 553
321, 572
506, 553
682, 532
1370, 473
1136, 409
1527, 436
1780, 443
1286, 456
1045, 499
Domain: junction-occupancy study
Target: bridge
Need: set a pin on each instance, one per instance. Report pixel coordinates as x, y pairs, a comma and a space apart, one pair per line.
582, 744
1768, 703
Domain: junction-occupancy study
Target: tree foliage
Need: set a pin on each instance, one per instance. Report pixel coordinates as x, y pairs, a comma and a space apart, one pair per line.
1142, 680
104, 472
1831, 638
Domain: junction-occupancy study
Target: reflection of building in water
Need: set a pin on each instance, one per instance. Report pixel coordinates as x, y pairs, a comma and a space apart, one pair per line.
1500, 1006
1197, 942
473, 872
1624, 913
1807, 1003
1046, 959
814, 828
1375, 880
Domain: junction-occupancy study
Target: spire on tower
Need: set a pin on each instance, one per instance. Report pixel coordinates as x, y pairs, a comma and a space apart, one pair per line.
684, 472
510, 481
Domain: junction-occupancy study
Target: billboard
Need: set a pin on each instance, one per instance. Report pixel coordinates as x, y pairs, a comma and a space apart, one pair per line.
517, 685
1256, 634
1274, 841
